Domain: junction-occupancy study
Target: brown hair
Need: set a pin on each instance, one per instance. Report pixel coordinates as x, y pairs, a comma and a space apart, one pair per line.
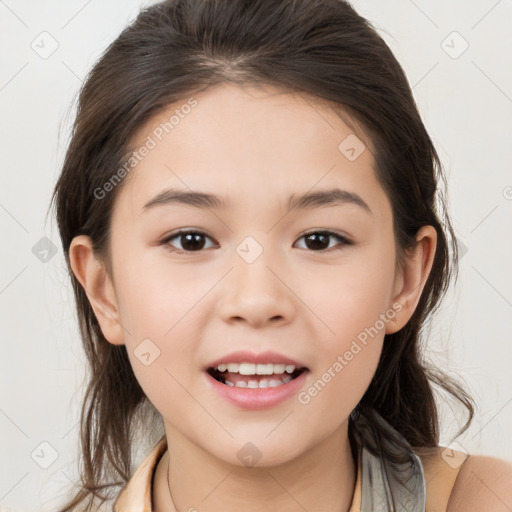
322, 48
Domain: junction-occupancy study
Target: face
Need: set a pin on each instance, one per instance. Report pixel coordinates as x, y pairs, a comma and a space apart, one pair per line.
254, 275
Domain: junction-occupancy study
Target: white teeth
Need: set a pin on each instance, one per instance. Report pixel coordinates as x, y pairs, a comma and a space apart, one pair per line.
256, 369
263, 383
279, 368
280, 372
246, 369
265, 369
233, 367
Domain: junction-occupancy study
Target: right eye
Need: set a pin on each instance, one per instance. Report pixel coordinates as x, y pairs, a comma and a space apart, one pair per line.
190, 241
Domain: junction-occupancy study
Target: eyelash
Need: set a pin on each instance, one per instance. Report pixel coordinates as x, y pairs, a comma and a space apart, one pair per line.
166, 241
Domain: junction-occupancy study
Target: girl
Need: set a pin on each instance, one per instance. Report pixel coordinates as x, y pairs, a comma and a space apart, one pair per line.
248, 211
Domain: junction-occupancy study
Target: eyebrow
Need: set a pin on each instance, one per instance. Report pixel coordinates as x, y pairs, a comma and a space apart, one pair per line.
308, 200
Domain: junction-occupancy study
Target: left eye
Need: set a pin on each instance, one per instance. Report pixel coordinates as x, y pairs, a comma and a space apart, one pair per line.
193, 241
318, 238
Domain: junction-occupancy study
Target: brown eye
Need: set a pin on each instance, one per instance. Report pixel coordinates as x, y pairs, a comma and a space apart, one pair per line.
319, 240
190, 241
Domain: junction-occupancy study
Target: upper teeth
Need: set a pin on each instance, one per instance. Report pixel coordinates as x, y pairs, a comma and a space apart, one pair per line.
256, 369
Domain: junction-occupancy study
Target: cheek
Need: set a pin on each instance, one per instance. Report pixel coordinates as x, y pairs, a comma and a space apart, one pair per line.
353, 303
334, 391
156, 299
159, 315
350, 298
346, 367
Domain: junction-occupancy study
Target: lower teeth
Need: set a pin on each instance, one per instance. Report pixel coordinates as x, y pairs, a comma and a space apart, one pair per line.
254, 384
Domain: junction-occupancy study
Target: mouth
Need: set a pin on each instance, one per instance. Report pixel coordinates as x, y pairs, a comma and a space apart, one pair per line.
255, 376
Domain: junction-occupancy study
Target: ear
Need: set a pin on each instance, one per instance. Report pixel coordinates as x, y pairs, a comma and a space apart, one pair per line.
409, 284
93, 276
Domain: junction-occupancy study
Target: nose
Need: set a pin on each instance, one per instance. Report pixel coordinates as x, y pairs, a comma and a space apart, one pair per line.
257, 293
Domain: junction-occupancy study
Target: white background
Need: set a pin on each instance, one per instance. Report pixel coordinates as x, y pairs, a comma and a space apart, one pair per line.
466, 104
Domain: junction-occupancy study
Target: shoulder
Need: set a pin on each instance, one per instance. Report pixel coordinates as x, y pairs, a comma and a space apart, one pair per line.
484, 483
458, 482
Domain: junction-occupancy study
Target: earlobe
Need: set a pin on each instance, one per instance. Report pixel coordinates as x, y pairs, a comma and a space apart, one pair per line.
418, 264
96, 282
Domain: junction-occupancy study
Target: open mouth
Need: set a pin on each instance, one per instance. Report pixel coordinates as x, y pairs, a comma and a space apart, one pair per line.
247, 375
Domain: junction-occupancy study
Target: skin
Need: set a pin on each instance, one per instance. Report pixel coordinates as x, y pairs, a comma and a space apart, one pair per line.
255, 147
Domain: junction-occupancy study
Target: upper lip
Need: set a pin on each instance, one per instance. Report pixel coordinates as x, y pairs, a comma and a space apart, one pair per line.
244, 356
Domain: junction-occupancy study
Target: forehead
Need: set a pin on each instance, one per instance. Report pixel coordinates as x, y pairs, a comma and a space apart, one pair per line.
254, 140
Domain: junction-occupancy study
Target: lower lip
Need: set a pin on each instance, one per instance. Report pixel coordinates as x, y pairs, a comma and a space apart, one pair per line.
257, 398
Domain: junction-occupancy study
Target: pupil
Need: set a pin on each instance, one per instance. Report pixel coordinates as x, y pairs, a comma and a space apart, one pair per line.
315, 237
192, 241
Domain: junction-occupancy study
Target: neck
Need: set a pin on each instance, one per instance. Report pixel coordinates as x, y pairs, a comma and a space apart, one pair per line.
190, 479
